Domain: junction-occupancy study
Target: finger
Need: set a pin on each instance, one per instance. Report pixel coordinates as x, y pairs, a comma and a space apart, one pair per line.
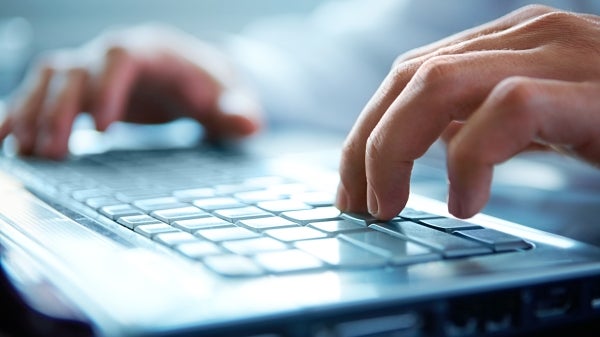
27, 105
499, 25
520, 111
351, 191
443, 89
238, 114
224, 111
56, 120
351, 195
455, 127
5, 127
113, 87
451, 131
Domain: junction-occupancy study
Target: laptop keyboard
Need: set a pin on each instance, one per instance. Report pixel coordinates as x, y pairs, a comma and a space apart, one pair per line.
240, 220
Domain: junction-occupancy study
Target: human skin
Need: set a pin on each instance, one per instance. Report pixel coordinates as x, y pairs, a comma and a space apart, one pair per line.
528, 80
146, 74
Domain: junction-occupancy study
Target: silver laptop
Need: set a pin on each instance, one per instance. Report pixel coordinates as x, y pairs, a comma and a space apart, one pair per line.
244, 241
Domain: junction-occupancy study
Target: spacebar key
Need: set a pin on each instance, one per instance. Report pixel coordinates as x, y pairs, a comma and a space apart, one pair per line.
449, 245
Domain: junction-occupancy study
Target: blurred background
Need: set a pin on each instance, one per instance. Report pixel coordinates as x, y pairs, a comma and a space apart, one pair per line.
30, 26
549, 192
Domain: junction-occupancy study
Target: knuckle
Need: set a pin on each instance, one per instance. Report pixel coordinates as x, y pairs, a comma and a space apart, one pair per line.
460, 154
397, 71
536, 10
556, 17
517, 93
350, 150
406, 56
437, 71
116, 52
398, 60
374, 147
554, 23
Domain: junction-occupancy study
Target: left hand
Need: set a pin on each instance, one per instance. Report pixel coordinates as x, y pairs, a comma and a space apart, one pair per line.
145, 74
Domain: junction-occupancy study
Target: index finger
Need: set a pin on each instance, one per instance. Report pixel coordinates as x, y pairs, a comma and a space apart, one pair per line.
351, 195
113, 86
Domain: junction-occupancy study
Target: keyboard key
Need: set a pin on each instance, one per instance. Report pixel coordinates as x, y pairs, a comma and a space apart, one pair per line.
149, 205
175, 238
364, 219
233, 265
240, 213
315, 199
192, 225
264, 181
226, 234
99, 202
266, 223
182, 213
69, 187
497, 240
117, 211
313, 215
341, 253
254, 246
139, 194
288, 189
257, 196
290, 234
398, 251
198, 249
449, 224
192, 194
152, 229
411, 213
448, 244
133, 221
228, 189
82, 195
211, 204
288, 261
278, 206
337, 226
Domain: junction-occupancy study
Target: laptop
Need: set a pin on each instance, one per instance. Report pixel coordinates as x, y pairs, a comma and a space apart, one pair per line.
243, 240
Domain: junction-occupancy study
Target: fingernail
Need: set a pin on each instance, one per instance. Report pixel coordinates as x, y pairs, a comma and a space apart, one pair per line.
372, 203
341, 201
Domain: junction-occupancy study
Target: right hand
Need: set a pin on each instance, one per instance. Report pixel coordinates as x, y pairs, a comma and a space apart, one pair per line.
525, 81
148, 74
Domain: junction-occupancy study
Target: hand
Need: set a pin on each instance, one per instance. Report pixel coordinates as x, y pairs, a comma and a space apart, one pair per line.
530, 79
148, 74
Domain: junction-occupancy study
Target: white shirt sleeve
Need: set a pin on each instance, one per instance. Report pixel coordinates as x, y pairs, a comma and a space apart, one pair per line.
324, 67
